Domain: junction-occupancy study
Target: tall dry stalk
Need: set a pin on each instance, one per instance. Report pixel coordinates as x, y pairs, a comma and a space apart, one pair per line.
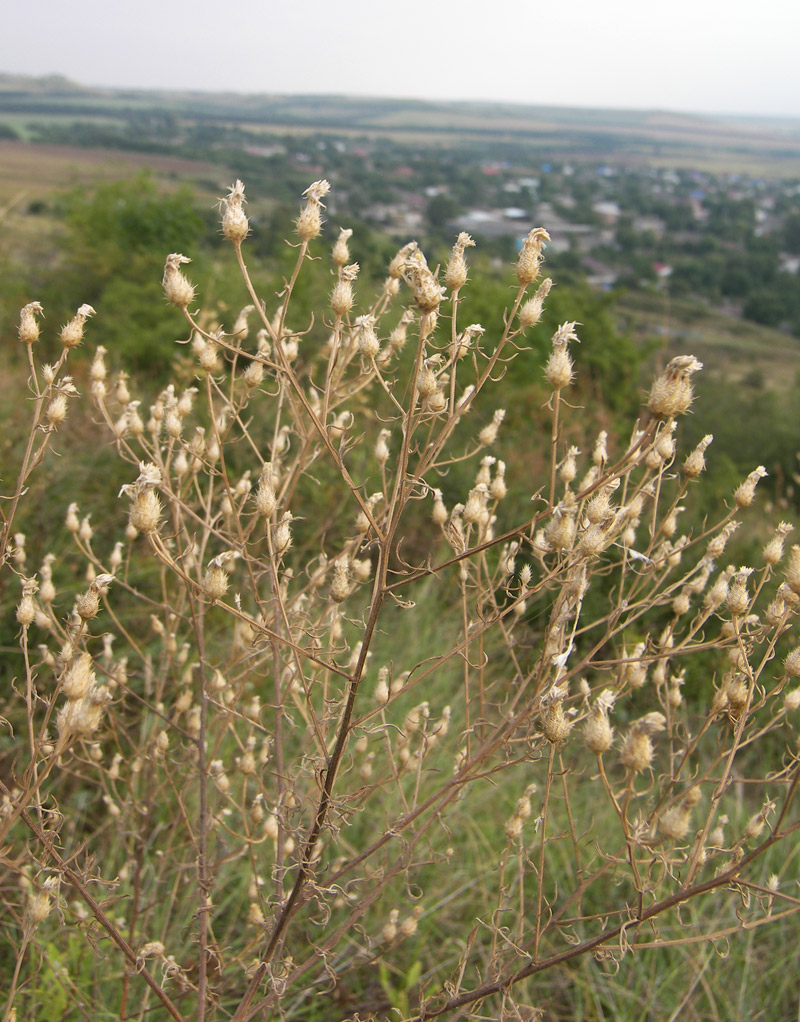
239, 768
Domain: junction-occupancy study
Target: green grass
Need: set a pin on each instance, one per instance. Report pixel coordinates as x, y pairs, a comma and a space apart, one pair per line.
735, 350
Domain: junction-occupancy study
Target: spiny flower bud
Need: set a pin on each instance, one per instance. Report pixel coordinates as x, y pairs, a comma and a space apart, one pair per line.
219, 777
598, 734
398, 336
560, 530
530, 257
239, 332
425, 288
465, 339
745, 493
368, 343
599, 510
282, 538
793, 570
757, 822
488, 434
26, 609
177, 289
439, 509
389, 931
398, 262
266, 501
38, 908
695, 462
79, 677
340, 585
513, 827
145, 511
773, 551
341, 251
716, 546
456, 275
671, 394
309, 223
475, 508
427, 383
80, 718
215, 580
556, 726
559, 366
28, 327
72, 522
637, 749
253, 376
146, 507
633, 670
498, 488
208, 357
381, 447
98, 372
531, 311
57, 410
72, 332
792, 663
342, 294
235, 227
791, 701
569, 467
436, 402
673, 824
737, 598
87, 604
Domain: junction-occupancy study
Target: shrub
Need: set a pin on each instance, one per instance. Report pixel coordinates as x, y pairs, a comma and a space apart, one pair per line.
305, 729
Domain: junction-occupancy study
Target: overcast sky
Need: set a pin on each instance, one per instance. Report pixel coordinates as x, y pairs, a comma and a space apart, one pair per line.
714, 56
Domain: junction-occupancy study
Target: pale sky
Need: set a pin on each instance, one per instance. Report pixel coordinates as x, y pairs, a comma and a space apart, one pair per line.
708, 56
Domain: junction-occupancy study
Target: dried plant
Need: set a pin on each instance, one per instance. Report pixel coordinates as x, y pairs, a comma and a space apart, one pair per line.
303, 712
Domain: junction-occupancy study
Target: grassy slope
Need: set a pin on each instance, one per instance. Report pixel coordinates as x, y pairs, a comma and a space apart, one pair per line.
29, 171
733, 349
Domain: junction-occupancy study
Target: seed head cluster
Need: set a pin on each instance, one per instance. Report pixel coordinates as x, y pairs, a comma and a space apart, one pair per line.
358, 593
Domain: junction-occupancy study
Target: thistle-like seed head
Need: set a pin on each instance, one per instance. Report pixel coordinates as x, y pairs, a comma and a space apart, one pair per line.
309, 223
177, 289
72, 332
235, 226
530, 256
598, 734
341, 250
531, 311
28, 326
456, 274
695, 462
671, 393
744, 494
145, 511
559, 366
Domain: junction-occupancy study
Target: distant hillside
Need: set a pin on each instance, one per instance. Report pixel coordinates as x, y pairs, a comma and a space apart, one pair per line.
48, 85
616, 134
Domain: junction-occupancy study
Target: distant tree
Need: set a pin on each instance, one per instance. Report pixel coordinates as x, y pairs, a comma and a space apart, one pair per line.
441, 208
764, 307
791, 233
117, 238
